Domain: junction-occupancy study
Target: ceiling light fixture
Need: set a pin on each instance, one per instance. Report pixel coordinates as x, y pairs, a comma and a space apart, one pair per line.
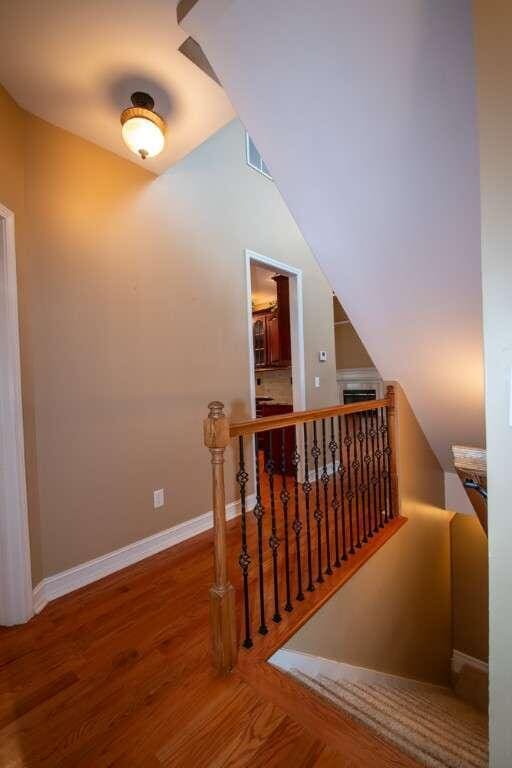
143, 130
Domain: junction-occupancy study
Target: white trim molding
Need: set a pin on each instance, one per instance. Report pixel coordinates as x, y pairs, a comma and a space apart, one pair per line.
67, 581
15, 570
460, 659
296, 328
359, 378
312, 665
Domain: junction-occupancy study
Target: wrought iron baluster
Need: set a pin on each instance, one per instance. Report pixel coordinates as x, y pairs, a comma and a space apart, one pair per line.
379, 455
333, 446
244, 560
362, 485
306, 487
388, 452
258, 512
350, 493
297, 524
273, 541
355, 467
367, 462
325, 483
382, 463
285, 497
315, 452
341, 472
374, 480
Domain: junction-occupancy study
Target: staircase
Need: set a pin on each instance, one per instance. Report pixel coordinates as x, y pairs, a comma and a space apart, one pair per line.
432, 726
316, 503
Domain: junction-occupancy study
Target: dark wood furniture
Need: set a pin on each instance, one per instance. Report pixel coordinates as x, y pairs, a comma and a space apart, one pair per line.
271, 330
271, 442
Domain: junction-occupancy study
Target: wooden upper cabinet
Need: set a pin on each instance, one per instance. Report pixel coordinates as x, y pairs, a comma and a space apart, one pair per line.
283, 313
273, 345
271, 330
259, 340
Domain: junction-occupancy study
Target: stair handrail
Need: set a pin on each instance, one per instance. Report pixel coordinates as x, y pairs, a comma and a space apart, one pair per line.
218, 432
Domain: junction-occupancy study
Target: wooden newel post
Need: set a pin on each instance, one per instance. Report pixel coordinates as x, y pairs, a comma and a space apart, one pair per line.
393, 442
222, 593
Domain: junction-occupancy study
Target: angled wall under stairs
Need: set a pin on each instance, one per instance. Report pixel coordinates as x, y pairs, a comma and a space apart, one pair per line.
395, 614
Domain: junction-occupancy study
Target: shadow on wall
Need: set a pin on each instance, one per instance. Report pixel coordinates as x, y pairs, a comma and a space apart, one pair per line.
394, 615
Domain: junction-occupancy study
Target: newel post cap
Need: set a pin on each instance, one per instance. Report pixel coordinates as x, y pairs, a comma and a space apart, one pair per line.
216, 426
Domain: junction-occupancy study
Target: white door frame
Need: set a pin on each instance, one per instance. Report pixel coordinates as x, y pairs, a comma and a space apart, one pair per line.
16, 602
296, 328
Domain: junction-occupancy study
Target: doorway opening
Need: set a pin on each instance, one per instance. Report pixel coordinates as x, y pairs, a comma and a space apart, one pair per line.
276, 351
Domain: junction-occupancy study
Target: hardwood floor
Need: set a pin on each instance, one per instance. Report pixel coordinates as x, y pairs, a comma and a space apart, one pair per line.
119, 674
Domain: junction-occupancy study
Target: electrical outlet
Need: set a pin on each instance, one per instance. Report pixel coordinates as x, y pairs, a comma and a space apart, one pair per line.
158, 498
317, 381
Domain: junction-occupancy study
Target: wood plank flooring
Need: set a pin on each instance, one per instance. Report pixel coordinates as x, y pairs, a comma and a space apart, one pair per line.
119, 674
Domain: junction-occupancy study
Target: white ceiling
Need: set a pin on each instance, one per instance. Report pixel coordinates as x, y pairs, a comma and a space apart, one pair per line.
75, 64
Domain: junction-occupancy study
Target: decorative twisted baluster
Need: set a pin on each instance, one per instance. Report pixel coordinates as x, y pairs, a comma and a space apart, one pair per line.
390, 451
333, 447
297, 524
362, 485
355, 466
306, 487
244, 560
325, 483
383, 473
341, 472
350, 493
259, 511
273, 541
285, 497
378, 455
315, 452
367, 463
374, 479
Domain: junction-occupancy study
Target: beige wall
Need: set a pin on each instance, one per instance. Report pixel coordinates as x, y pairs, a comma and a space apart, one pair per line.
493, 35
134, 318
470, 590
394, 614
350, 350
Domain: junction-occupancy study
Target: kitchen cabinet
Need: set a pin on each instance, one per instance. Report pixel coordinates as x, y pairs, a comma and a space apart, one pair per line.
271, 330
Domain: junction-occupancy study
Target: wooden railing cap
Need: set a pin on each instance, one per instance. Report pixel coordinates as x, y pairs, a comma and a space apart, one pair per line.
299, 417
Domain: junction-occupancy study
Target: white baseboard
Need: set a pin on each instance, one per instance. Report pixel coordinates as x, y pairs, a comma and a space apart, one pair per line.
460, 660
62, 583
313, 665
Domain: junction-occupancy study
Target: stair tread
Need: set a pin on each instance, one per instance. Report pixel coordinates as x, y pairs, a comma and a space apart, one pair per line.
435, 727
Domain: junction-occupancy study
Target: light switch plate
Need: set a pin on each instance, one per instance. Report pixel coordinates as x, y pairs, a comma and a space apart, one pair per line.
158, 498
317, 381
322, 356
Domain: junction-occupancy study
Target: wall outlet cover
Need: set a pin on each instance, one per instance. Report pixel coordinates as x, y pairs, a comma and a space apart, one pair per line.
158, 498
